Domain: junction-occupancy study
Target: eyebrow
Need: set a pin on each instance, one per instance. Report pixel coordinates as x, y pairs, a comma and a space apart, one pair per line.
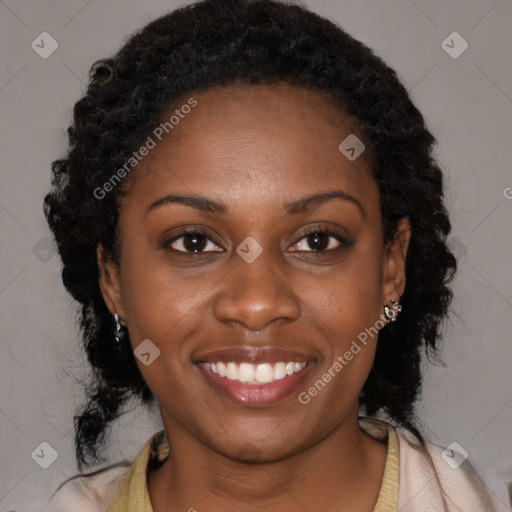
294, 207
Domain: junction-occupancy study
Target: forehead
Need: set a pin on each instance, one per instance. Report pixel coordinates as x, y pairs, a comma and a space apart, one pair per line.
256, 143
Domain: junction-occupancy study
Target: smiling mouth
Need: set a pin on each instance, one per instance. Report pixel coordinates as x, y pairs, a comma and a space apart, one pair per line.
254, 374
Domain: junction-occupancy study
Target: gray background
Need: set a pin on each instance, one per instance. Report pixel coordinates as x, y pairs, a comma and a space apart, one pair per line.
467, 103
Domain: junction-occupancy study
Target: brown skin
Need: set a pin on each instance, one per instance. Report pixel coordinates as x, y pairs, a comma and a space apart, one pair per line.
254, 148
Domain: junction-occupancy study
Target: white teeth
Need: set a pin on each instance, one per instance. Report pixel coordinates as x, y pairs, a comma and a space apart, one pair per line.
232, 372
279, 371
246, 372
221, 368
262, 373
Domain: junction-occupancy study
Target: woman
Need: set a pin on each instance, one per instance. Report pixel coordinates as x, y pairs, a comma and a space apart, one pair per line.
251, 218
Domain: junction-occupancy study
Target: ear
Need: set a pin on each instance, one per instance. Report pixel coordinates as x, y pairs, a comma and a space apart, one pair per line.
395, 252
109, 282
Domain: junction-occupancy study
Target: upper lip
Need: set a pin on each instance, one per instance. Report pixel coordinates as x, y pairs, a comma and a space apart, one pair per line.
255, 355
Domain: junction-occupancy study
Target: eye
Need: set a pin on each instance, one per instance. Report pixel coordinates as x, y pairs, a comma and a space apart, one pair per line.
316, 241
320, 240
192, 241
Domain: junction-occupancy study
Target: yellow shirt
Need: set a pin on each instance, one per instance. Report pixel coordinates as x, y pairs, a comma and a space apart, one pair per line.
132, 494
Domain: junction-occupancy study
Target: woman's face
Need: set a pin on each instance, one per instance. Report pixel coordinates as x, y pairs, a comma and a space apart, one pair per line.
255, 296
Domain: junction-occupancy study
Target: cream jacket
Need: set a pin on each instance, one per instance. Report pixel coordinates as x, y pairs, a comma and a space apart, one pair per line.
465, 489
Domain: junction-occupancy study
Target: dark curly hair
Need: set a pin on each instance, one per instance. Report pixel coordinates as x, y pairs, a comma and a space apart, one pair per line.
214, 43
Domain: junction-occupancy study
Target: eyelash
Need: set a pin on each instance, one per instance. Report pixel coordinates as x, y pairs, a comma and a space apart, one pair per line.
344, 243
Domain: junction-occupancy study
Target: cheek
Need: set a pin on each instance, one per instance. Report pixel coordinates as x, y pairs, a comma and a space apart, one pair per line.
167, 306
348, 300
157, 297
346, 307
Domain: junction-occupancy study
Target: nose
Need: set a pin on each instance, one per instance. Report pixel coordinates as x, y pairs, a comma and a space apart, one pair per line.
256, 294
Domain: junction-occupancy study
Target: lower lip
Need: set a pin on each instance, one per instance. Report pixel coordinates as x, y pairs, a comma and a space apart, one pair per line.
256, 395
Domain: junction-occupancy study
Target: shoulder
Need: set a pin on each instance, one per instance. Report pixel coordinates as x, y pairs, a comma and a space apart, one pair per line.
96, 491
88, 493
426, 475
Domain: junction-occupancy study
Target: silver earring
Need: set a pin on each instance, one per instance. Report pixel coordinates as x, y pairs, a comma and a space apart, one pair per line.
119, 330
392, 312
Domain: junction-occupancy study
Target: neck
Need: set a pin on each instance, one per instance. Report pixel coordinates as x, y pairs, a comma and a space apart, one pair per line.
341, 472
